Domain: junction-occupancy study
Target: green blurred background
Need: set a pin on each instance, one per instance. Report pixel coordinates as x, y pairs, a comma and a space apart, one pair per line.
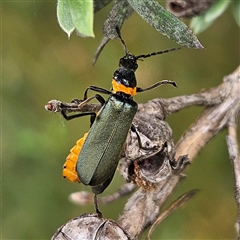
40, 63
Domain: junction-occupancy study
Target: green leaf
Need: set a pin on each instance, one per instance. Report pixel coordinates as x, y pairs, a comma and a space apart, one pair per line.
165, 22
120, 11
82, 16
236, 11
64, 17
76, 14
201, 23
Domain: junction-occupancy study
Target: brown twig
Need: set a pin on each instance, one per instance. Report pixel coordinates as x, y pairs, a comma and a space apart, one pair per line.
188, 8
233, 150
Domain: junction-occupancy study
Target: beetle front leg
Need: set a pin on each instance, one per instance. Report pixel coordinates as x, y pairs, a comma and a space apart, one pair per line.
81, 104
97, 96
96, 89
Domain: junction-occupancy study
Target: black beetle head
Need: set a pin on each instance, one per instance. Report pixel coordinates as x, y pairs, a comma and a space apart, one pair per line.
128, 61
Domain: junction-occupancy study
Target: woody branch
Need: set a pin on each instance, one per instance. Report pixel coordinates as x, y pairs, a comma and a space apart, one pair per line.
222, 110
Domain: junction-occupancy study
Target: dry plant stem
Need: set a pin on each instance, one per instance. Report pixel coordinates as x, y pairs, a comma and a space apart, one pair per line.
122, 191
83, 198
233, 149
223, 103
143, 207
188, 8
174, 206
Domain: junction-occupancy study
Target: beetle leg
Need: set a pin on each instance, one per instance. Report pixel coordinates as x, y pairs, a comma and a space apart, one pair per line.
81, 105
133, 129
96, 89
156, 85
97, 96
96, 205
63, 112
99, 189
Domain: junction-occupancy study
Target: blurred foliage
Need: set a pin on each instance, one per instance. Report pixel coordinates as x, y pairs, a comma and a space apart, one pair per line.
39, 63
202, 22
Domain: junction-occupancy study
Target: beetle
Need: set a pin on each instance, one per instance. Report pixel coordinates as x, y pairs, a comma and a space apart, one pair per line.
94, 158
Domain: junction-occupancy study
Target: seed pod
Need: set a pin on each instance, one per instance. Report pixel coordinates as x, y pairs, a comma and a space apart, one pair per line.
90, 227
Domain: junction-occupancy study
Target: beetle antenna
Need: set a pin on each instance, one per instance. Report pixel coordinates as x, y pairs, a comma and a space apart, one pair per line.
156, 53
122, 41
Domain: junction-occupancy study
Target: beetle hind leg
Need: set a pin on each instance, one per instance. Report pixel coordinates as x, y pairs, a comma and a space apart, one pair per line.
96, 206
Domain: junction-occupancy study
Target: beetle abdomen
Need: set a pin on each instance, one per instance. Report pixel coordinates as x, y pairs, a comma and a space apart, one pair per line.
69, 167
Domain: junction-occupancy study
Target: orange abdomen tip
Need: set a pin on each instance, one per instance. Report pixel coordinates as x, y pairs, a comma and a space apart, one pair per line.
69, 167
